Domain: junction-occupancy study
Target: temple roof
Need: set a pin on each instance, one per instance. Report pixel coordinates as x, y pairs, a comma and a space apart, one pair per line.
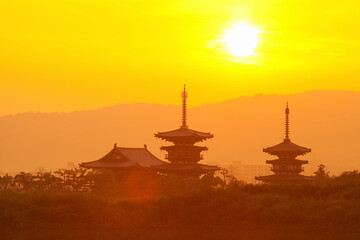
285, 178
287, 161
182, 147
120, 157
287, 147
184, 133
188, 168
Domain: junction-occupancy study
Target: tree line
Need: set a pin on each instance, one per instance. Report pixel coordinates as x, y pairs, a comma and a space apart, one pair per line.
84, 180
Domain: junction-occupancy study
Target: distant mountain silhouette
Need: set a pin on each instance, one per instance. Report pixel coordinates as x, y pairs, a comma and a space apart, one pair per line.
328, 122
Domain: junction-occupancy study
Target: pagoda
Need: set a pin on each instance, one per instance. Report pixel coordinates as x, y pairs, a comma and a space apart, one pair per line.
184, 155
286, 168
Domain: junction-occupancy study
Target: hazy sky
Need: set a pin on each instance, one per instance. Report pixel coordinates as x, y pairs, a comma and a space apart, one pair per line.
62, 55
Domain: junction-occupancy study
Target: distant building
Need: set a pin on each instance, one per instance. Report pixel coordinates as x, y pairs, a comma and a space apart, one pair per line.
286, 168
184, 155
248, 172
71, 165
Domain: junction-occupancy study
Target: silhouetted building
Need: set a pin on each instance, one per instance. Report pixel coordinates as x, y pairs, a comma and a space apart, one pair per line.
71, 165
121, 158
286, 168
184, 155
129, 171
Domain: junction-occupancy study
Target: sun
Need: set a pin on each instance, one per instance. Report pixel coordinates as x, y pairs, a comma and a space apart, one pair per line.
241, 40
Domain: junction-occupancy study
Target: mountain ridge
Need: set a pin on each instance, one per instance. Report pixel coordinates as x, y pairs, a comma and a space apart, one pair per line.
326, 121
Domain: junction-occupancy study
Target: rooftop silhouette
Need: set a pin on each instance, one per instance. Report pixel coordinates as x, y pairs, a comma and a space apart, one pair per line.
125, 158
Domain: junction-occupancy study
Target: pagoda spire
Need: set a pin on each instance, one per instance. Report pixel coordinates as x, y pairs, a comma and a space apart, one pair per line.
184, 108
287, 112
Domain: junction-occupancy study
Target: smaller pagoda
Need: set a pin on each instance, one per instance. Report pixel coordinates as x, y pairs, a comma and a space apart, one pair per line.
286, 168
184, 155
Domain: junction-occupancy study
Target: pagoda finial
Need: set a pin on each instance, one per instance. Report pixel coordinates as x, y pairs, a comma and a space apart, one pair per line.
287, 112
184, 110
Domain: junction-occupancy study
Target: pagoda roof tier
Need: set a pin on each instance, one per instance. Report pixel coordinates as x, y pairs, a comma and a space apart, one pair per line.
287, 161
120, 157
287, 148
182, 147
285, 178
193, 168
183, 133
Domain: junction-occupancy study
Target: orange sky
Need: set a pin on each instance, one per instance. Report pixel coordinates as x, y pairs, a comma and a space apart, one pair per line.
63, 55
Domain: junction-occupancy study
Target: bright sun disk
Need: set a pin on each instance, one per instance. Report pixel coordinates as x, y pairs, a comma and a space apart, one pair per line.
241, 40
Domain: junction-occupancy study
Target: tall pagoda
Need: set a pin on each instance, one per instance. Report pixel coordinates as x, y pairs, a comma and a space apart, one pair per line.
286, 168
184, 155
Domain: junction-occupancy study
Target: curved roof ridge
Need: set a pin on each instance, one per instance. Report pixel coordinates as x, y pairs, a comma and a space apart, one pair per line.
125, 157
183, 132
154, 156
185, 129
287, 146
130, 148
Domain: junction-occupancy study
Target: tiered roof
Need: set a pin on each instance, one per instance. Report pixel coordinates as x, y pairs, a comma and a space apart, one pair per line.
296, 161
184, 133
200, 148
287, 148
285, 178
196, 168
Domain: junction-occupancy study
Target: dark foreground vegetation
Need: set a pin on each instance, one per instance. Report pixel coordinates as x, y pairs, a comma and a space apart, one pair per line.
327, 209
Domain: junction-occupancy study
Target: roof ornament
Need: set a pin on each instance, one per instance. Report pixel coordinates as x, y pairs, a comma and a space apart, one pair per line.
184, 109
287, 112
115, 145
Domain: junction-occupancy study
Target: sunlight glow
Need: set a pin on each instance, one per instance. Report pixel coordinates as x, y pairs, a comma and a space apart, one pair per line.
241, 40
